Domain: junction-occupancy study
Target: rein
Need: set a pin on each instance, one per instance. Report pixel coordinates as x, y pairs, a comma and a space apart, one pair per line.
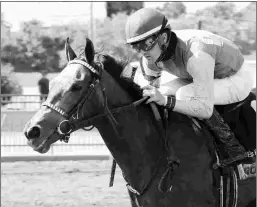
73, 122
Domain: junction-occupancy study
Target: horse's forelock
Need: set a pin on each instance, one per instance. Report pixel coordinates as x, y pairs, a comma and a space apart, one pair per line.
113, 66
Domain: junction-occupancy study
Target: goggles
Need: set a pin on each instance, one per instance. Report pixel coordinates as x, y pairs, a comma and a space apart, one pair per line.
150, 42
145, 45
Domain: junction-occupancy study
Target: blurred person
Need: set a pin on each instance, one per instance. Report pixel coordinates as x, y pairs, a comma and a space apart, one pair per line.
43, 85
210, 69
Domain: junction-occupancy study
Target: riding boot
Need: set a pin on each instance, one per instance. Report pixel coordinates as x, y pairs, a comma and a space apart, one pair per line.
228, 147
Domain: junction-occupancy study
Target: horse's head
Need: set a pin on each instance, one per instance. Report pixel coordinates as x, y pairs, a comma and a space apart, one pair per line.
69, 92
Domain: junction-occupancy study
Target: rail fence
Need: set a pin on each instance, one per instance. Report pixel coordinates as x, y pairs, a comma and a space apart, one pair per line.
81, 146
21, 102
16, 110
80, 143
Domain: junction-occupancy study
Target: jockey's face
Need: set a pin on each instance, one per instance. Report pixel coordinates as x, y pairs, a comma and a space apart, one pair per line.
150, 47
152, 54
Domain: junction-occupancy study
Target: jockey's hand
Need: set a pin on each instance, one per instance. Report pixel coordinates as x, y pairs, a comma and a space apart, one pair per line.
154, 94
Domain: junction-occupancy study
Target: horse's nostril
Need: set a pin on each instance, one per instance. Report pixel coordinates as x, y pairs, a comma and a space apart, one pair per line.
33, 132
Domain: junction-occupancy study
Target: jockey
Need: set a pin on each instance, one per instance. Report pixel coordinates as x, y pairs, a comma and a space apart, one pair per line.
211, 64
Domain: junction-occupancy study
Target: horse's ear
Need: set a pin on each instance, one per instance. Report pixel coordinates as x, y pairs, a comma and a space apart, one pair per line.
70, 54
89, 51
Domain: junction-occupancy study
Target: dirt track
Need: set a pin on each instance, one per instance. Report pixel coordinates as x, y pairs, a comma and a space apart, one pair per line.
65, 184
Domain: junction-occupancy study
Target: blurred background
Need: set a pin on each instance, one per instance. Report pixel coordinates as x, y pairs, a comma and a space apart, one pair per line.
32, 43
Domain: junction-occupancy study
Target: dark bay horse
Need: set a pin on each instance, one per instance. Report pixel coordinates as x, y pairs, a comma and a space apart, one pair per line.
88, 92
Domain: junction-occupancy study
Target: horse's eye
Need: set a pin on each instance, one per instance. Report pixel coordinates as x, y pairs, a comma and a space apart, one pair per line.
76, 87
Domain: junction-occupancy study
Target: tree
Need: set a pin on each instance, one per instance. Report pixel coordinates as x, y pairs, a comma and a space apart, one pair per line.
5, 31
173, 9
9, 84
111, 38
246, 20
50, 56
225, 10
77, 33
122, 6
247, 28
223, 20
33, 49
221, 10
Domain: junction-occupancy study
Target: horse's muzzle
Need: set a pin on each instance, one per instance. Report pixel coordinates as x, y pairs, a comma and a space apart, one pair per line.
33, 132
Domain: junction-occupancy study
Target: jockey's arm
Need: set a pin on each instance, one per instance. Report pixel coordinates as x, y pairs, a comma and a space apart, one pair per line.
195, 100
228, 90
201, 67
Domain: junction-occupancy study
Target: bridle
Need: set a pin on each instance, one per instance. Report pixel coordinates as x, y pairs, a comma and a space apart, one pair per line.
74, 122
74, 114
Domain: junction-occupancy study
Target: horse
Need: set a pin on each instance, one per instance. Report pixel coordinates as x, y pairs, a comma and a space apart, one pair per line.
90, 91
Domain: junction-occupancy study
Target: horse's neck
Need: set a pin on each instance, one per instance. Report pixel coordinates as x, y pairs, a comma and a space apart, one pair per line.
137, 146
116, 95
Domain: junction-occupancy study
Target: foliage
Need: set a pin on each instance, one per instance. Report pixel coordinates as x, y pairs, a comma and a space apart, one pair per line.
9, 84
123, 6
183, 22
36, 48
5, 34
247, 24
77, 34
222, 10
222, 19
172, 9
33, 49
111, 37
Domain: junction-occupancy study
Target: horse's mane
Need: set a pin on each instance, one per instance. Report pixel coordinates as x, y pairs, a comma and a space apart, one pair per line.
115, 67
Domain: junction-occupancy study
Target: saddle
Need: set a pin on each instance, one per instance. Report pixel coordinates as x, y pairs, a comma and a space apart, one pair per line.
238, 115
241, 118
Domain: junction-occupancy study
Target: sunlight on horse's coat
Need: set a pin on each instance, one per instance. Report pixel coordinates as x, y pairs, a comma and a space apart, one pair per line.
68, 77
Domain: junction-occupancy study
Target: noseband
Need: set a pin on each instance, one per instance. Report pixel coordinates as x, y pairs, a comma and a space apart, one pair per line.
66, 127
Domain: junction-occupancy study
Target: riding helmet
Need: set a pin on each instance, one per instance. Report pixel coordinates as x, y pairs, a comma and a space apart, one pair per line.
144, 23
